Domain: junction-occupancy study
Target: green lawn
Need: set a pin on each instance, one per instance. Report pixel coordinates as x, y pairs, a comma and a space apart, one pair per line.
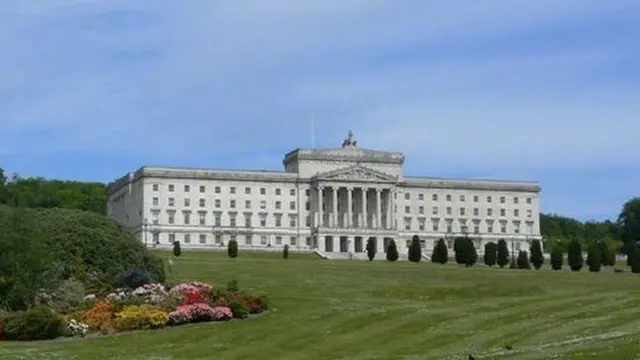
359, 310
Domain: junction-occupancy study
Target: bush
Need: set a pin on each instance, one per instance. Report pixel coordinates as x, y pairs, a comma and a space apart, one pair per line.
37, 323
574, 255
523, 260
100, 317
465, 251
503, 253
371, 249
490, 253
440, 253
633, 257
232, 249
143, 317
594, 260
177, 251
133, 278
238, 309
392, 251
285, 252
557, 258
537, 258
608, 256
415, 249
69, 295
459, 249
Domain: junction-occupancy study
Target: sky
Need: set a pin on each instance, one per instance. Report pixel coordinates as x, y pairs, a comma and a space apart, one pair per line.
543, 90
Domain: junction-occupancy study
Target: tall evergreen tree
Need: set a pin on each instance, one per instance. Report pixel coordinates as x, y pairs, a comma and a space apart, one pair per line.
177, 251
285, 252
503, 253
537, 258
371, 249
594, 258
634, 255
490, 253
415, 250
440, 253
471, 254
523, 260
392, 251
459, 247
574, 255
232, 249
557, 258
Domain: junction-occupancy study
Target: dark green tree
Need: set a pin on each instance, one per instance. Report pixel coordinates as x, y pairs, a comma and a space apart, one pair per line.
629, 224
285, 252
177, 251
523, 260
503, 253
557, 258
371, 249
392, 251
537, 258
635, 259
490, 253
415, 250
472, 253
232, 249
574, 255
440, 253
607, 255
459, 247
594, 258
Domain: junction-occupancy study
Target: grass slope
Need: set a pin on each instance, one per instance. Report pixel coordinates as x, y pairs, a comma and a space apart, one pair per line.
359, 310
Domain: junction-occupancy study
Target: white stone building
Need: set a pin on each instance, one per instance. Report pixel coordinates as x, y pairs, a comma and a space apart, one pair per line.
326, 200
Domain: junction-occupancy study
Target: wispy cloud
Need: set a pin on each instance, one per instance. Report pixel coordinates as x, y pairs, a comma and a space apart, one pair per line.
493, 87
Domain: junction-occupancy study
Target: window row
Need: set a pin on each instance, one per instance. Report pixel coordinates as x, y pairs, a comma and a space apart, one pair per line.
463, 211
476, 198
219, 239
233, 204
461, 227
231, 220
232, 189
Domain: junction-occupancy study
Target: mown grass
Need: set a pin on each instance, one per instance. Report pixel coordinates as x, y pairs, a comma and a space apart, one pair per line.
359, 310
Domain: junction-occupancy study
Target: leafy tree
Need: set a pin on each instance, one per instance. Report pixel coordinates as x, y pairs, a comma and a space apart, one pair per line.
503, 253
537, 258
440, 253
415, 249
635, 259
177, 251
523, 260
459, 247
285, 252
392, 251
629, 224
557, 258
371, 249
232, 249
574, 255
594, 258
490, 253
607, 256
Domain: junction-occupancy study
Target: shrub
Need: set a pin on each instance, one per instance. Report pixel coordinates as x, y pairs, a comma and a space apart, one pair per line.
232, 249
503, 253
459, 244
594, 260
537, 258
607, 255
574, 255
37, 323
371, 249
392, 251
194, 297
440, 253
198, 313
472, 253
142, 317
69, 295
490, 253
285, 252
557, 258
238, 309
523, 260
232, 286
133, 278
633, 257
177, 251
190, 287
465, 251
100, 317
76, 328
415, 250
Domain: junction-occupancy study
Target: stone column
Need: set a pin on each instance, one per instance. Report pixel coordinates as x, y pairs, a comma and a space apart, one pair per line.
349, 207
391, 201
378, 209
351, 244
364, 208
320, 204
334, 214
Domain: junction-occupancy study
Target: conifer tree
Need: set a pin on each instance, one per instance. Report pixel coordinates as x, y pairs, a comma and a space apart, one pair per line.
503, 253
232, 249
523, 260
371, 249
392, 251
537, 258
594, 258
490, 253
285, 252
440, 253
176, 249
557, 258
574, 255
415, 250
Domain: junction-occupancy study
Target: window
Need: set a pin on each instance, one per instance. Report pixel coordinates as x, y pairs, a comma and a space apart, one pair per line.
476, 212
203, 238
516, 228
292, 205
434, 197
307, 221
476, 229
503, 229
475, 198
218, 203
464, 229
187, 238
407, 209
202, 202
434, 210
462, 211
263, 239
247, 221
489, 212
489, 199
155, 201
278, 205
156, 238
448, 197
292, 222
171, 187
263, 204
202, 189
420, 196
407, 223
172, 218
462, 198
420, 209
233, 238
216, 190
502, 199
515, 199
516, 212
490, 229
172, 238
263, 191
308, 240
232, 190
232, 204
307, 192
449, 210
407, 196
218, 239
307, 205
528, 201
172, 202
278, 192
187, 188
278, 240
503, 212
247, 191
203, 217
292, 192
449, 228
421, 224
435, 227
248, 240
218, 220
529, 213
187, 202
293, 240
263, 221
187, 218
278, 221
247, 204
232, 221
156, 187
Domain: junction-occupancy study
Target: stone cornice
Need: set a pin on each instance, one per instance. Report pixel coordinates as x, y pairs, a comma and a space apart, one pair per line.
462, 184
348, 154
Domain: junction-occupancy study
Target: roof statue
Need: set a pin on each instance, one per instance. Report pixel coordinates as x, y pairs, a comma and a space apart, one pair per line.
349, 142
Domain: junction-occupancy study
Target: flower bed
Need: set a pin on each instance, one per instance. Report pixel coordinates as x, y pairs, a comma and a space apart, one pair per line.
147, 307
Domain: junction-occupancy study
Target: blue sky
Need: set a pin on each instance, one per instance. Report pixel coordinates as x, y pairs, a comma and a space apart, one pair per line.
534, 90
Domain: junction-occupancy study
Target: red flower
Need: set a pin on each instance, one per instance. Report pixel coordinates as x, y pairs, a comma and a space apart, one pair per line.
193, 297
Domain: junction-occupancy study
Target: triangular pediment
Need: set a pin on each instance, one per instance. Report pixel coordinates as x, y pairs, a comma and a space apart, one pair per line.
356, 173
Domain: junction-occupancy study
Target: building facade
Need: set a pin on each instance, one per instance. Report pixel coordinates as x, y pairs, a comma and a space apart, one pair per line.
326, 200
